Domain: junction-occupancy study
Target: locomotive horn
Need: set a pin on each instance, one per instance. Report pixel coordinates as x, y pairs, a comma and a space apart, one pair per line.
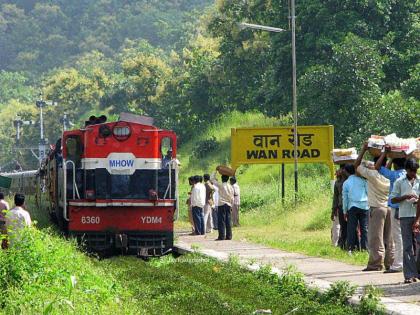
101, 119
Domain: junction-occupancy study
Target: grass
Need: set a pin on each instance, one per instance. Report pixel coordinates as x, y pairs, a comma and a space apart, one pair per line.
265, 218
48, 275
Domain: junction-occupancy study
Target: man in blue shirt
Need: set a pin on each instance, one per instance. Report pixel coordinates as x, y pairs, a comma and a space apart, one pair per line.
393, 175
355, 207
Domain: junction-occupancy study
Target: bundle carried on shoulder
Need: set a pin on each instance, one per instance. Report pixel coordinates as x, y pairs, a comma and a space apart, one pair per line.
399, 148
344, 156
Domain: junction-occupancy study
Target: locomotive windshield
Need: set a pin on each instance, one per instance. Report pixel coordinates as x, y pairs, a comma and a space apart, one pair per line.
136, 186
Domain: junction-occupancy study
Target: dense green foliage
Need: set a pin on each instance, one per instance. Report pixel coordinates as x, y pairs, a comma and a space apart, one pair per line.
187, 62
40, 35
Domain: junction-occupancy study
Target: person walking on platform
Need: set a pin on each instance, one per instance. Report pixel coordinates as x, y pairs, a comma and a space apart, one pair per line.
393, 175
208, 208
198, 201
381, 246
355, 207
236, 201
224, 207
406, 192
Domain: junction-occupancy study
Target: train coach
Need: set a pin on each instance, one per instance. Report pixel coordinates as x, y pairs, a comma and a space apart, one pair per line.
114, 185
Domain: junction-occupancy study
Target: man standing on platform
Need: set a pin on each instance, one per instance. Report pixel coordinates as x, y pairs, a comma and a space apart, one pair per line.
208, 208
337, 208
236, 201
355, 207
381, 246
224, 207
406, 192
198, 201
393, 175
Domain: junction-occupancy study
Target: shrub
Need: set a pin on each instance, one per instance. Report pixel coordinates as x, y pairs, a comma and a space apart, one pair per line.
370, 302
339, 292
205, 147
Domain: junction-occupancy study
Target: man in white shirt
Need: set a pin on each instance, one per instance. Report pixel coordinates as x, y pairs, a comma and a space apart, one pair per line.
17, 219
198, 201
214, 210
406, 192
236, 201
224, 207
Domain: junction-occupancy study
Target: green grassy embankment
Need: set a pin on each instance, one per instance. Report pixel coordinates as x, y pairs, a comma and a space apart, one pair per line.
48, 275
265, 218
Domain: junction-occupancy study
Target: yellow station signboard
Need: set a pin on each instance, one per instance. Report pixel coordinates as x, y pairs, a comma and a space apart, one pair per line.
275, 145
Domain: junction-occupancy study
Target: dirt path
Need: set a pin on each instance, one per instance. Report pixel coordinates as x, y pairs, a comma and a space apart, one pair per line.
398, 298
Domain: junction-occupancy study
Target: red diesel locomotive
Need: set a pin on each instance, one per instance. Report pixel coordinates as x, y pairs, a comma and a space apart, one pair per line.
114, 185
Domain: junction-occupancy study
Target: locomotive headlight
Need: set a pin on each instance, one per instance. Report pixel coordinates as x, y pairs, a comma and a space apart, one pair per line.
121, 131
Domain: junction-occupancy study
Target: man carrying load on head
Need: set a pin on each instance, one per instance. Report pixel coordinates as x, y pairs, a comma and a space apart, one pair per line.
381, 247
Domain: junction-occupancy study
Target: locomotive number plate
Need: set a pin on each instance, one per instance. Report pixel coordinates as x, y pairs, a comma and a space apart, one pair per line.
91, 220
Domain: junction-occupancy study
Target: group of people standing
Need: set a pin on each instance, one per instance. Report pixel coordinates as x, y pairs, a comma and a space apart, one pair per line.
213, 205
376, 206
12, 221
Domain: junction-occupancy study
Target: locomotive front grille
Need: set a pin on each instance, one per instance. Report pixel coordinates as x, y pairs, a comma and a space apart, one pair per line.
138, 243
147, 241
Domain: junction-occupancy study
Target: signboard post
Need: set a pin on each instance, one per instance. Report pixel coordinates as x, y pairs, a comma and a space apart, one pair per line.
276, 145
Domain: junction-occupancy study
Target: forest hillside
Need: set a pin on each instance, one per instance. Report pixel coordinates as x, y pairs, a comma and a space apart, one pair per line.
188, 62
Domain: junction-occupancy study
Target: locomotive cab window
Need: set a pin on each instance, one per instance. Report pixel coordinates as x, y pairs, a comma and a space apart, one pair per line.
166, 151
74, 148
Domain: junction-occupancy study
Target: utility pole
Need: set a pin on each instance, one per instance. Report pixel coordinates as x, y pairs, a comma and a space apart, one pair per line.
65, 122
18, 123
42, 147
294, 92
292, 18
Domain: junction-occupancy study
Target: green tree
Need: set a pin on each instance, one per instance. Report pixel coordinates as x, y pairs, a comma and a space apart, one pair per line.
79, 95
343, 93
14, 85
29, 137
